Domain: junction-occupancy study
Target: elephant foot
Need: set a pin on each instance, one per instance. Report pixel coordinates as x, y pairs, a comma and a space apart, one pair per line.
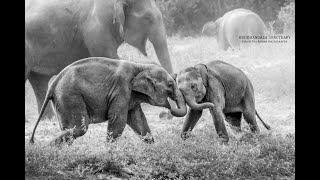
110, 139
148, 140
58, 142
185, 135
223, 139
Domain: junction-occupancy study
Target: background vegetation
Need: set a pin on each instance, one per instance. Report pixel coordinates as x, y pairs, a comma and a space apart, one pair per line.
187, 17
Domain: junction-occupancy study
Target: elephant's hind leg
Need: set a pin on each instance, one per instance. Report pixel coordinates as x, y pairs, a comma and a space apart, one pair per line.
249, 116
138, 123
74, 120
39, 84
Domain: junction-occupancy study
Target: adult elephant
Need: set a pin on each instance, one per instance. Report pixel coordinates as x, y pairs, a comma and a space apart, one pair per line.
235, 23
58, 32
97, 89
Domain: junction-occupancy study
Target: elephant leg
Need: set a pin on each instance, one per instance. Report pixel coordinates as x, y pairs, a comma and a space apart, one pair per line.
191, 120
39, 84
73, 119
138, 123
234, 41
249, 115
234, 119
218, 119
117, 120
223, 42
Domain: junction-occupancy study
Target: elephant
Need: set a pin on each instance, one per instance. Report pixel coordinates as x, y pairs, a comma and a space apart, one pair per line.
59, 32
97, 89
235, 23
225, 90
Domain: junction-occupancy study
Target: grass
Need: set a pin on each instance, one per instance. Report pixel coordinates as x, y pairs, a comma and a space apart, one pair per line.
270, 155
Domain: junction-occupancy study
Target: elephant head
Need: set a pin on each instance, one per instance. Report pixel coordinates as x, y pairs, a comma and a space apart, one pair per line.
192, 82
156, 85
211, 28
140, 20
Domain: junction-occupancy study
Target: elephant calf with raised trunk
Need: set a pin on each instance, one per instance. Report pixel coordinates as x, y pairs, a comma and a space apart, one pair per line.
97, 89
222, 88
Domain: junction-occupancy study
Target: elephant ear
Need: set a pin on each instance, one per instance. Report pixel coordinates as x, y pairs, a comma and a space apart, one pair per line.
119, 15
143, 83
217, 25
204, 74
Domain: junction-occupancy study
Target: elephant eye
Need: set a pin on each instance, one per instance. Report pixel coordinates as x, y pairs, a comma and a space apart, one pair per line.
193, 86
148, 17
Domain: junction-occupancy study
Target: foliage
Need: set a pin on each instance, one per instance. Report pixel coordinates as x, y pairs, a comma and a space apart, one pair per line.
287, 16
261, 157
187, 17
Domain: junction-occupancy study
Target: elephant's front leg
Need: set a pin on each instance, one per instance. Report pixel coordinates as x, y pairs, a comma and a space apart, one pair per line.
218, 119
138, 123
191, 120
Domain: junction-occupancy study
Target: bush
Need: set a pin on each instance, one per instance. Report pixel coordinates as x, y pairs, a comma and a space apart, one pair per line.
186, 17
287, 16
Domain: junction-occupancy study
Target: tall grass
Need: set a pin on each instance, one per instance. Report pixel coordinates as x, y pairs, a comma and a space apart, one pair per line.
270, 155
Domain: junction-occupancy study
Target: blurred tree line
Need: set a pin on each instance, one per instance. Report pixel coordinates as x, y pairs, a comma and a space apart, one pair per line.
186, 17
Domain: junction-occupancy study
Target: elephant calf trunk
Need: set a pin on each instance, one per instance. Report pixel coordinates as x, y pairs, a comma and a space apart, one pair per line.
176, 111
196, 106
182, 108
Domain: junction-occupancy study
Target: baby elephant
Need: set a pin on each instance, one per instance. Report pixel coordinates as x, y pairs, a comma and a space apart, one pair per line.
97, 89
222, 88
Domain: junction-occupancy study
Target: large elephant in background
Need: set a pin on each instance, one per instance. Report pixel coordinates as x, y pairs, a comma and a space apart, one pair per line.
59, 32
235, 23
97, 89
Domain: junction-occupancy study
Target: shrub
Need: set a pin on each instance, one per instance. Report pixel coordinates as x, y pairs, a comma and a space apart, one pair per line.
187, 17
287, 17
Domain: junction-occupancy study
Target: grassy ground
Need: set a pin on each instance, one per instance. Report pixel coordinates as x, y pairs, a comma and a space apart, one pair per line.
270, 155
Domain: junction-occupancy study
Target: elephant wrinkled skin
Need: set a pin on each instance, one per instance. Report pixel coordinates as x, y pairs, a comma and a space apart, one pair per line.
59, 32
222, 88
235, 23
97, 89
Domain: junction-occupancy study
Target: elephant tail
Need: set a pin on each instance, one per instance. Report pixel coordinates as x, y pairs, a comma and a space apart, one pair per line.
264, 124
46, 100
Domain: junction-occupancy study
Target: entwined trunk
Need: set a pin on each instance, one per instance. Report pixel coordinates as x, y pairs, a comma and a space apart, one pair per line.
191, 101
181, 109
